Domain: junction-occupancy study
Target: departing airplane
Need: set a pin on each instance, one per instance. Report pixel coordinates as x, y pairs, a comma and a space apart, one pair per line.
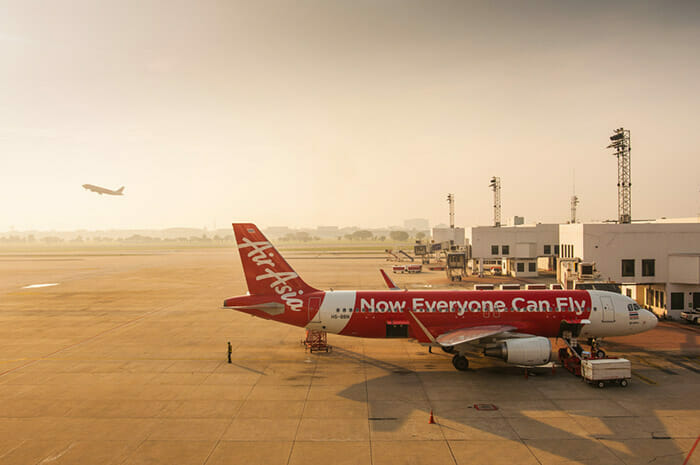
511, 325
102, 190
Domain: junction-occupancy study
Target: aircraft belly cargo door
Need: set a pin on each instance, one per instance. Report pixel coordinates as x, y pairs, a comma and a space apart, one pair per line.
315, 310
608, 309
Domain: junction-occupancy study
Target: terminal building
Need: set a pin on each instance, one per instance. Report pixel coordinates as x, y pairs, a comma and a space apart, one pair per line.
455, 236
518, 250
656, 263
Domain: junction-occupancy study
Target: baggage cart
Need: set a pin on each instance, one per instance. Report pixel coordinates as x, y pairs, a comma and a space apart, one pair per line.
606, 370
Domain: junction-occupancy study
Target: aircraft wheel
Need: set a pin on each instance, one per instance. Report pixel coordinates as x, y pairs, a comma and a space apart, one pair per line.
601, 384
460, 362
449, 350
599, 353
624, 383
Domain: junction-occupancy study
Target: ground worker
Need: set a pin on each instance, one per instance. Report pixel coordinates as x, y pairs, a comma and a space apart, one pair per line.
229, 351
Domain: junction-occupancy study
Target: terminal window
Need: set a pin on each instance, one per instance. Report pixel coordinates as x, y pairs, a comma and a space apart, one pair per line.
556, 249
627, 267
521, 267
547, 249
532, 266
494, 250
677, 301
648, 267
505, 249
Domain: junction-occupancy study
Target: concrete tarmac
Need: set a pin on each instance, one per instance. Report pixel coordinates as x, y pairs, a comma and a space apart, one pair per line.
123, 361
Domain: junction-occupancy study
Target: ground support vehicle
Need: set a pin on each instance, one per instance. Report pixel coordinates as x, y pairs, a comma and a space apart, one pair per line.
316, 341
691, 317
607, 370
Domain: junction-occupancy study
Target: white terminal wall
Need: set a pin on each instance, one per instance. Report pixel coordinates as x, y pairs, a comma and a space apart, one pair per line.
449, 234
608, 244
684, 269
526, 241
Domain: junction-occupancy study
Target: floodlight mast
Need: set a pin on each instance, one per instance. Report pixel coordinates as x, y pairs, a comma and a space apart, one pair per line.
574, 204
620, 141
495, 185
451, 201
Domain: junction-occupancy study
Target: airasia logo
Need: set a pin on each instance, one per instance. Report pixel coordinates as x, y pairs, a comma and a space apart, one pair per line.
277, 280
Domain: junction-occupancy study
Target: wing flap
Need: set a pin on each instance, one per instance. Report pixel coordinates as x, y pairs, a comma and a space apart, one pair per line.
463, 335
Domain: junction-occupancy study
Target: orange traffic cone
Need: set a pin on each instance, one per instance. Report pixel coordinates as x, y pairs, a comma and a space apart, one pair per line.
432, 420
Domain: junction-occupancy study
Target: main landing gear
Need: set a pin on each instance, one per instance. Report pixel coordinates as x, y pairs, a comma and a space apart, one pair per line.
460, 362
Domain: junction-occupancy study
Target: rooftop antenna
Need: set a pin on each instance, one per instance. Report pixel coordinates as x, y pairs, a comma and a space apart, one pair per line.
451, 201
495, 185
574, 202
620, 141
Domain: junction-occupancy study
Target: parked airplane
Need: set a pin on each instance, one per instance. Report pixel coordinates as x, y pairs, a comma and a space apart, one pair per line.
511, 325
102, 190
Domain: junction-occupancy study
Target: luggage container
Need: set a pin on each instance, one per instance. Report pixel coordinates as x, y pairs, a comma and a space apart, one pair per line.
606, 370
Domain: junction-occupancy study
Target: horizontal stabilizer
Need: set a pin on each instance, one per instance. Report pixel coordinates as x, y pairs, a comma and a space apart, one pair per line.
271, 308
389, 282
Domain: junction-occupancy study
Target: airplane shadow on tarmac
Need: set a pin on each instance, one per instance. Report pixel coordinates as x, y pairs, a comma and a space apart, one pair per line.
528, 410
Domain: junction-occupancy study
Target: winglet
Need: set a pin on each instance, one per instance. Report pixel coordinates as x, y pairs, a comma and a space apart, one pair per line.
389, 283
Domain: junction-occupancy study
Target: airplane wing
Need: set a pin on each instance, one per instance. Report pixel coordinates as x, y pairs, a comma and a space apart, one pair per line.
389, 282
462, 335
577, 321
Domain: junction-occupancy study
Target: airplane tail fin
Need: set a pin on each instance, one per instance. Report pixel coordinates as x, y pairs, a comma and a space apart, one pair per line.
266, 272
120, 190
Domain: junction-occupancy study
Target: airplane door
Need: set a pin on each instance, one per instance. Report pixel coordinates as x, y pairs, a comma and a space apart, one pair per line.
314, 310
608, 309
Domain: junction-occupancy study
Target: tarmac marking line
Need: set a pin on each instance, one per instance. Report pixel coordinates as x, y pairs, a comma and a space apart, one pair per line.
643, 378
692, 449
658, 367
86, 340
684, 365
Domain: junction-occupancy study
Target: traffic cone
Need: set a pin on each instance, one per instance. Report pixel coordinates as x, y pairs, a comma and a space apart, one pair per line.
432, 420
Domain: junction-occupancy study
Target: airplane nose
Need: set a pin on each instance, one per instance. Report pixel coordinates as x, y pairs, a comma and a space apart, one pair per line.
650, 320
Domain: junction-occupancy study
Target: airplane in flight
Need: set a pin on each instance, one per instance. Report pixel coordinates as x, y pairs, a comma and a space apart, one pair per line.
103, 190
511, 325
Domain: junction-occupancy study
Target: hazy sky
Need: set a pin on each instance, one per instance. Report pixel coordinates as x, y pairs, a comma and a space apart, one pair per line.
342, 113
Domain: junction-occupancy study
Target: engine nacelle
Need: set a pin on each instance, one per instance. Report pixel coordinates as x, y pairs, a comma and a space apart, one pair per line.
531, 351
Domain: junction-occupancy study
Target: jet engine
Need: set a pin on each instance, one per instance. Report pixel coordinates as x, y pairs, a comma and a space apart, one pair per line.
531, 351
